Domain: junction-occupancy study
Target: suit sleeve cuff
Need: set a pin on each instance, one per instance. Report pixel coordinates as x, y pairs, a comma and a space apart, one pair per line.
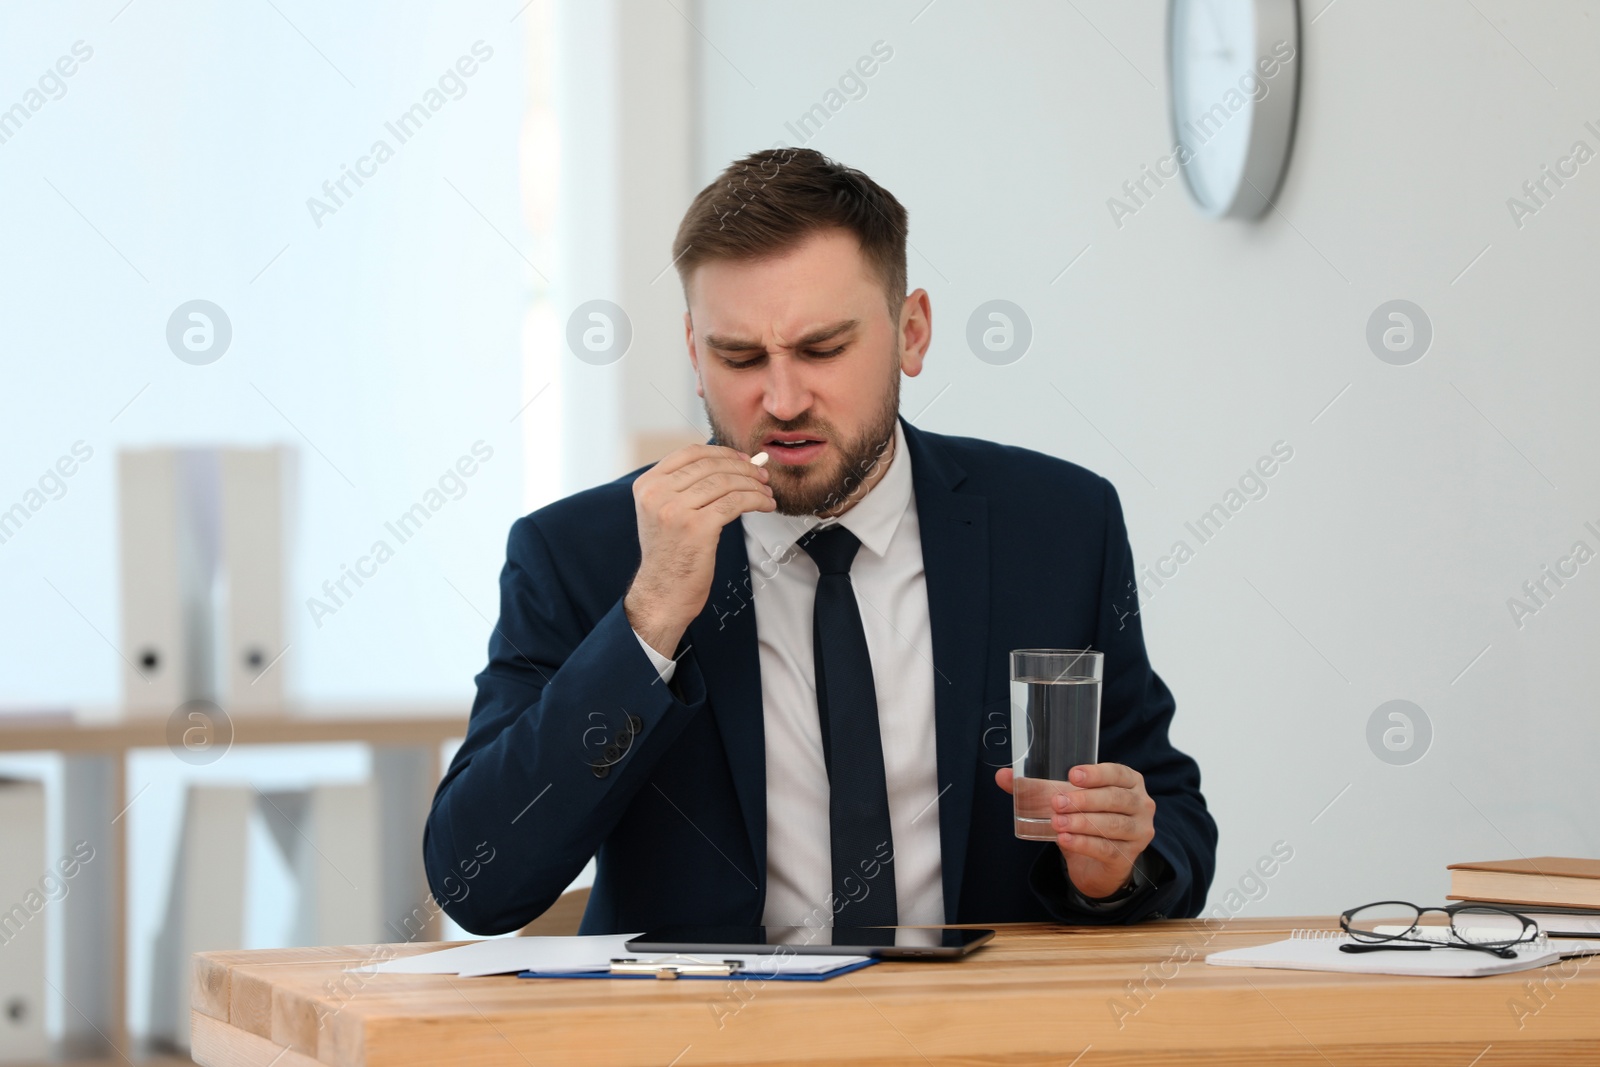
1149, 869
1156, 882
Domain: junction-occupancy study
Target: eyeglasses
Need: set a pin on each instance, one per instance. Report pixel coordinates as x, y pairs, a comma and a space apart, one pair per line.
1396, 925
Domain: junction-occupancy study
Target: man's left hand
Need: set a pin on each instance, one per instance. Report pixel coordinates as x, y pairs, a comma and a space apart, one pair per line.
1102, 826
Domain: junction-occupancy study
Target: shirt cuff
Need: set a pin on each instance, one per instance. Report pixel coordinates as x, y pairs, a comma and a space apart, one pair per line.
664, 666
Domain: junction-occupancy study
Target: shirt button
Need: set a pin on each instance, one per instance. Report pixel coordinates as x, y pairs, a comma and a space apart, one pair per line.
612, 753
600, 769
635, 724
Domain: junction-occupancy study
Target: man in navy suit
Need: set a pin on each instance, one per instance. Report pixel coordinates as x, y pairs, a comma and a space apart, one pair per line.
780, 694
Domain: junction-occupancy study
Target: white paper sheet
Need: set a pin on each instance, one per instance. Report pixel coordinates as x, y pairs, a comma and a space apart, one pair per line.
509, 955
555, 955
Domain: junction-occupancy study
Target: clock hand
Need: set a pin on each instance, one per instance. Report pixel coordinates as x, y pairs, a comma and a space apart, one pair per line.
1216, 25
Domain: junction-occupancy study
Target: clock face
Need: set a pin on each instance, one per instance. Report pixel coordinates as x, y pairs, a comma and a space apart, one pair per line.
1213, 45
1234, 81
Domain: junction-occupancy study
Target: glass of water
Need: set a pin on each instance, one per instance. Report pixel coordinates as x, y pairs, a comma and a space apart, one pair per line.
1055, 726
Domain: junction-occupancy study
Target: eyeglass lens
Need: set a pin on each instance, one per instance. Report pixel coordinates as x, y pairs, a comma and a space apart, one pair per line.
1392, 920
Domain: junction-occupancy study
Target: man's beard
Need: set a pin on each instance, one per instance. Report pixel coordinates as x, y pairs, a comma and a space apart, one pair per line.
811, 490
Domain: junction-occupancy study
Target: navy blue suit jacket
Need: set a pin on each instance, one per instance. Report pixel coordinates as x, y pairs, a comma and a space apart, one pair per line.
577, 749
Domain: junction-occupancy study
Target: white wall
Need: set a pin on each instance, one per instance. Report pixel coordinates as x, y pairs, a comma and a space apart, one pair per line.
382, 344
1379, 564
623, 78
386, 339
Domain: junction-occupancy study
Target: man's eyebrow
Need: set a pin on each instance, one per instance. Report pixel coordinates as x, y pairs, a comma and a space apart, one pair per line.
729, 343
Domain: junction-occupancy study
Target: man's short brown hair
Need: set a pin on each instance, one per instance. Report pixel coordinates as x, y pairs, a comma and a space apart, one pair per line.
769, 201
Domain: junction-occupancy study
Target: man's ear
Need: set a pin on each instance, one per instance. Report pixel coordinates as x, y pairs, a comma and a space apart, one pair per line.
694, 357
916, 332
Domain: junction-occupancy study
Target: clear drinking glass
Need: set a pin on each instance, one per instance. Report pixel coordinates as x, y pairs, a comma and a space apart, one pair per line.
1055, 726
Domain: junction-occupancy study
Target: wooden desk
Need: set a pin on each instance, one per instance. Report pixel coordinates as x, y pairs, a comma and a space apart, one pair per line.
1087, 996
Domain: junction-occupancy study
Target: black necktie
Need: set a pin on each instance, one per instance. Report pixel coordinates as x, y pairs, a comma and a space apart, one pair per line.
847, 702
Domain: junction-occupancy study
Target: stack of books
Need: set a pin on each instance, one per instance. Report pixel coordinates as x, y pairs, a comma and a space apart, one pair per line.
1561, 894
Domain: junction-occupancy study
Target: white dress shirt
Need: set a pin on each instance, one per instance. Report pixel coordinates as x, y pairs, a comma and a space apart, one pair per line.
887, 576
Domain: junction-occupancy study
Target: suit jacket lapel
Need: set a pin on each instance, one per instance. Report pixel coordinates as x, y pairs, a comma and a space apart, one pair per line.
955, 560
723, 637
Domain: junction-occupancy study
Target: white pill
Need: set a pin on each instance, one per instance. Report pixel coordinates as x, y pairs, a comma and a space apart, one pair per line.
759, 459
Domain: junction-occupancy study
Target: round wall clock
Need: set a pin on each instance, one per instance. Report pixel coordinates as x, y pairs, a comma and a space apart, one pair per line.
1235, 72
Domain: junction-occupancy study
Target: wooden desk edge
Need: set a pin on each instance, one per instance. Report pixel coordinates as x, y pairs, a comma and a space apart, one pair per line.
1331, 1001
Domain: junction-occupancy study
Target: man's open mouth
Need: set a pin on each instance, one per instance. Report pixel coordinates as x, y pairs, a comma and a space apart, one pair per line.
794, 448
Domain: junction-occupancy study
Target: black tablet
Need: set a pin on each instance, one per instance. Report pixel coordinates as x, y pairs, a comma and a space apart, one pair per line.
884, 942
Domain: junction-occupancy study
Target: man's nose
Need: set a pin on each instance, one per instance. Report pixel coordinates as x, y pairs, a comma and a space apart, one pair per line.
787, 396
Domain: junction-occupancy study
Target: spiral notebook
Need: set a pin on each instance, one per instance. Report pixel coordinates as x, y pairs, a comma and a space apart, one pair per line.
1318, 950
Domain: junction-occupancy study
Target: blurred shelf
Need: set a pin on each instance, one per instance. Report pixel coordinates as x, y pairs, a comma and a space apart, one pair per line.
95, 743
143, 1054
165, 1059
379, 724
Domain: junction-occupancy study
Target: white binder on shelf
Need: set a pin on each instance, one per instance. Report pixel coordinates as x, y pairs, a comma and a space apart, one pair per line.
329, 836
206, 905
203, 533
255, 494
149, 508
26, 894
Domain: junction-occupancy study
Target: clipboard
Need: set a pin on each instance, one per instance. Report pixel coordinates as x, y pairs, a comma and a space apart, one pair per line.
674, 967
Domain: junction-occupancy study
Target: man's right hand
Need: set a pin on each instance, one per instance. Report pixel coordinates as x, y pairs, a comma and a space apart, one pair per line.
682, 504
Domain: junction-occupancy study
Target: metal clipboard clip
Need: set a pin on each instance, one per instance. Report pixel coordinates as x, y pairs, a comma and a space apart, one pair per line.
670, 971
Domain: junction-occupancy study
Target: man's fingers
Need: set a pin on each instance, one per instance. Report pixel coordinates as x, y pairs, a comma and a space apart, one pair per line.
712, 487
1112, 798
1100, 823
703, 467
1099, 848
1091, 775
694, 453
730, 506
1003, 778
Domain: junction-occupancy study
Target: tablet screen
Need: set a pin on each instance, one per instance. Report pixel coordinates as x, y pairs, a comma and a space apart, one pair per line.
889, 942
